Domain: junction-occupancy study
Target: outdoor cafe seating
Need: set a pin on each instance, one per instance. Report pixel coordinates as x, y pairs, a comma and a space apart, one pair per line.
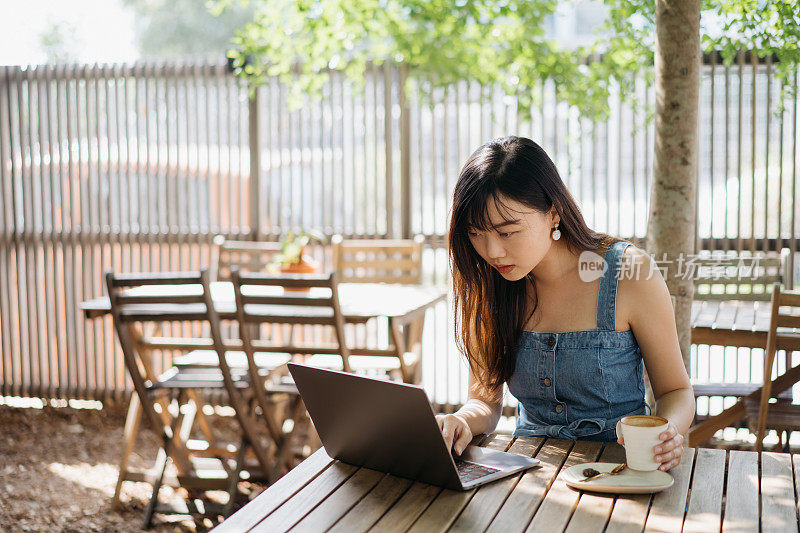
276, 317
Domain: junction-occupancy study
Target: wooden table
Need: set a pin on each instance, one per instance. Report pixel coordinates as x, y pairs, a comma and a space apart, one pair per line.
404, 307
325, 495
732, 323
359, 301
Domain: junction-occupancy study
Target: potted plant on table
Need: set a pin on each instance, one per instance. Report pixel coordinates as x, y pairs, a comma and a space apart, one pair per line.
292, 258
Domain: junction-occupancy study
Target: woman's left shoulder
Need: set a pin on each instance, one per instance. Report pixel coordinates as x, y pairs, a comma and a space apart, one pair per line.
640, 283
633, 258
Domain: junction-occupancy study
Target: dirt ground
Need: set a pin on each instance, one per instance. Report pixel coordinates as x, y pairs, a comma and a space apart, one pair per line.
58, 469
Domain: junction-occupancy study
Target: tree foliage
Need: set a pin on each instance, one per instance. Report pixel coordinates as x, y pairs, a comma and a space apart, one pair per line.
59, 42
169, 28
500, 42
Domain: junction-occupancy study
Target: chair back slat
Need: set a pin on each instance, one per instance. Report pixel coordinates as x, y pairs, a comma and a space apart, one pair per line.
247, 256
788, 321
291, 281
140, 279
264, 298
736, 275
790, 298
158, 296
176, 299
287, 300
378, 260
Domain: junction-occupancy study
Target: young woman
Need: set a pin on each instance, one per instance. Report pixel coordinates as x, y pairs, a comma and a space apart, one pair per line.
567, 317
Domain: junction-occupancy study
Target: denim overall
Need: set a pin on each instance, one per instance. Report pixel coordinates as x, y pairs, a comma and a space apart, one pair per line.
578, 384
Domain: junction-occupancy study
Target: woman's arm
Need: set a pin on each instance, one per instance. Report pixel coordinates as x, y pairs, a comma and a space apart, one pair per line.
479, 414
652, 320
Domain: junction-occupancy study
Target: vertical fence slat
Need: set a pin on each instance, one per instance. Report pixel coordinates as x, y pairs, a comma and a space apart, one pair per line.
7, 229
53, 204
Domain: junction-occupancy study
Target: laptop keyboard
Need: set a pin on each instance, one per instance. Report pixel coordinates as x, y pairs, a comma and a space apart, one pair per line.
471, 471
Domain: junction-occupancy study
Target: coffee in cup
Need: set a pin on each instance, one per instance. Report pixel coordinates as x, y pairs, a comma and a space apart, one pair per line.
641, 436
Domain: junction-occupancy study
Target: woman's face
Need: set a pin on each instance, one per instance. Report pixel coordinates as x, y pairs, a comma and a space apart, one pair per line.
518, 240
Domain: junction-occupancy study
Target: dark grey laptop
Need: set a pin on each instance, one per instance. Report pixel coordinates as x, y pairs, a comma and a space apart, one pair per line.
390, 427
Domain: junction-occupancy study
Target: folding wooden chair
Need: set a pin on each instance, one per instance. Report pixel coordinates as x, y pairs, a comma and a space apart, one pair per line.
378, 260
164, 398
386, 261
247, 256
309, 305
785, 314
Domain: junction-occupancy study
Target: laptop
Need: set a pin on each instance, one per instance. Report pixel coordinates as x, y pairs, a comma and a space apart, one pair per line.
390, 427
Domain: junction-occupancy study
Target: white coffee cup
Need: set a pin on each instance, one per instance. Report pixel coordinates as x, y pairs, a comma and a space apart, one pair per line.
641, 436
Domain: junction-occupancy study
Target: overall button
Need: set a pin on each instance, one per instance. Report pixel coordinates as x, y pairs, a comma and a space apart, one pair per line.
547, 382
551, 341
559, 408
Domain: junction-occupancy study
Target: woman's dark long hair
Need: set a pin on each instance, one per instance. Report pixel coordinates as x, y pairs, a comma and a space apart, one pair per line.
489, 310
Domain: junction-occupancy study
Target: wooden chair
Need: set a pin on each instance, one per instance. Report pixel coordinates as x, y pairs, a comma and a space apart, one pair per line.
173, 419
309, 304
385, 261
785, 315
295, 300
729, 276
378, 260
247, 256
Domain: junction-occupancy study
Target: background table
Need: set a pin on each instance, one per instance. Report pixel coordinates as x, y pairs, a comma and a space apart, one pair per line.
322, 494
359, 301
738, 323
403, 306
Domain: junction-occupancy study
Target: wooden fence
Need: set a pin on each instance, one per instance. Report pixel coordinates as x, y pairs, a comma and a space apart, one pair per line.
138, 167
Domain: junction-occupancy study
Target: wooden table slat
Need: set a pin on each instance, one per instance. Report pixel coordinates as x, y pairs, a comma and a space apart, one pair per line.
276, 494
340, 501
705, 502
796, 472
696, 309
778, 507
745, 317
741, 495
370, 509
763, 314
669, 506
523, 503
594, 509
488, 499
708, 312
726, 316
305, 500
556, 510
629, 513
404, 512
408, 508
446, 507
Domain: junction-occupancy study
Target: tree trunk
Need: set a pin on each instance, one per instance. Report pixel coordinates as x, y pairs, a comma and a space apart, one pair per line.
671, 223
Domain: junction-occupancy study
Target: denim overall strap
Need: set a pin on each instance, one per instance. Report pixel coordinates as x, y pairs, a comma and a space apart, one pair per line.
607, 295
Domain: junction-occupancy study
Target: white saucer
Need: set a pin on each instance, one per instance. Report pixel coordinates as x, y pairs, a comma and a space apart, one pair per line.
626, 482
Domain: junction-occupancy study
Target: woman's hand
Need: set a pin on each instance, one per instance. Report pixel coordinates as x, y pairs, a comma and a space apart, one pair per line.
455, 431
669, 452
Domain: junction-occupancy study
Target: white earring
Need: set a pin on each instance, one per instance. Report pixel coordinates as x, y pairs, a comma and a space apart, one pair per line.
556, 233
